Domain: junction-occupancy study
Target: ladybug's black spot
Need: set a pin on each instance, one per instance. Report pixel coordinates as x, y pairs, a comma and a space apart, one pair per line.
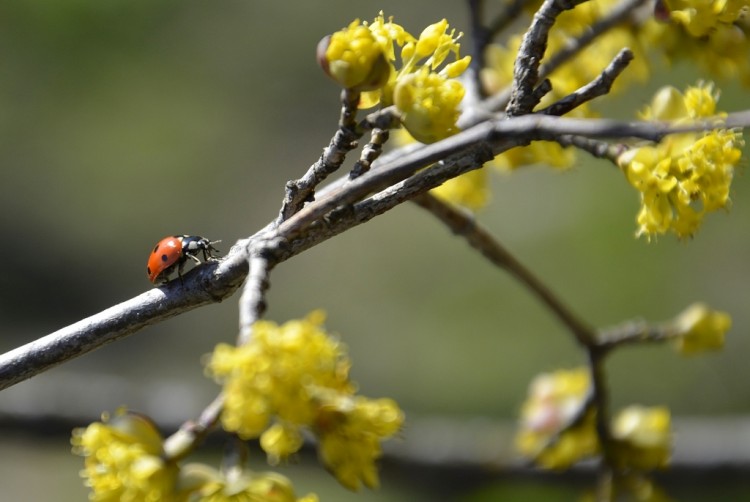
148, 270
155, 248
164, 258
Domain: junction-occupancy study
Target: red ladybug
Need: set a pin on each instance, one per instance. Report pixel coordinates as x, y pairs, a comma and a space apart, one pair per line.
171, 253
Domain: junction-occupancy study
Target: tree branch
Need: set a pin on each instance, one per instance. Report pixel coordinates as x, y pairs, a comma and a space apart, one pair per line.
462, 223
530, 54
346, 204
613, 18
600, 86
253, 299
303, 190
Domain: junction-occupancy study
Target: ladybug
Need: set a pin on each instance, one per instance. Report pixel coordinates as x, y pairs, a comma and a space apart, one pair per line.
171, 253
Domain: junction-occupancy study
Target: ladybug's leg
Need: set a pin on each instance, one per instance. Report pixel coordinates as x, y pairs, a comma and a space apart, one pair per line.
179, 271
194, 258
207, 251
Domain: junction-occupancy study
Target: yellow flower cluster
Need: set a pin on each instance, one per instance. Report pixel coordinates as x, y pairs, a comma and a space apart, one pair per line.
423, 88
686, 175
547, 433
350, 429
123, 460
470, 190
239, 485
567, 78
701, 17
713, 34
701, 329
556, 432
296, 376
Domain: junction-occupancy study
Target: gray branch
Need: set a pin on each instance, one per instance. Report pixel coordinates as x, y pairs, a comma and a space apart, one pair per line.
394, 179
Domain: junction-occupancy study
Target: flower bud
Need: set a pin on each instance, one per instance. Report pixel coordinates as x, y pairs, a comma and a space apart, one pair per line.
354, 58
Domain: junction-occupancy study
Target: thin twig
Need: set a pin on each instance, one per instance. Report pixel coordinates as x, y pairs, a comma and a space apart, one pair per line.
192, 433
600, 86
252, 306
616, 16
600, 391
597, 148
253, 298
633, 332
370, 152
480, 37
530, 54
300, 191
574, 421
542, 90
463, 224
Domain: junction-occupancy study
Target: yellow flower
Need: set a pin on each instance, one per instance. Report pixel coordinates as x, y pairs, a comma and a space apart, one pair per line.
702, 33
724, 52
298, 376
538, 152
238, 485
700, 17
422, 84
643, 437
280, 441
701, 329
350, 430
470, 190
354, 58
429, 105
686, 175
547, 433
274, 373
123, 460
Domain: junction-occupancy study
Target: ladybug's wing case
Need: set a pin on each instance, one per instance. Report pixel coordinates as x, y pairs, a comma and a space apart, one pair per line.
165, 255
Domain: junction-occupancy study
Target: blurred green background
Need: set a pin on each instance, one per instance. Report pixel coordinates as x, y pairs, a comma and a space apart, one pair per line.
125, 121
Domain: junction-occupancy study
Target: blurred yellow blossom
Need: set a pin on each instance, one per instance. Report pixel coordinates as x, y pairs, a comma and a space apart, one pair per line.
555, 431
715, 35
701, 329
470, 190
643, 437
124, 462
280, 441
537, 153
240, 485
350, 429
274, 373
296, 376
686, 175
701, 17
633, 486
